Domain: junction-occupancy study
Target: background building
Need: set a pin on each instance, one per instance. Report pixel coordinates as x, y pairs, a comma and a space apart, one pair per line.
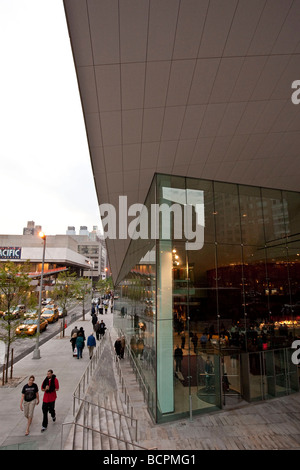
61, 254
32, 229
92, 245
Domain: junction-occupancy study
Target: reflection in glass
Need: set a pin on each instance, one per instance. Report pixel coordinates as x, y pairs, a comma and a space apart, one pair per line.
217, 322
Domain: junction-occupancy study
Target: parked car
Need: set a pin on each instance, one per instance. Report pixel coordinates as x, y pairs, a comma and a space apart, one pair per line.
51, 306
19, 311
31, 313
60, 312
29, 326
51, 315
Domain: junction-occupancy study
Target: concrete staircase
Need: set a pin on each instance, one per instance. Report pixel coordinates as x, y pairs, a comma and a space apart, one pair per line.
103, 426
105, 419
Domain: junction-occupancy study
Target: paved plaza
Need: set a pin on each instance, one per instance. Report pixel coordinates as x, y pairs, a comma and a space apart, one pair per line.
270, 425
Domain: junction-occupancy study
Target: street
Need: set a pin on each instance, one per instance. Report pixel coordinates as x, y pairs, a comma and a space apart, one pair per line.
24, 345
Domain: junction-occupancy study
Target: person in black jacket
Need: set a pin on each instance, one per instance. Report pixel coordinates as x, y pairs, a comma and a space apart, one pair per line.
118, 347
178, 355
102, 328
94, 321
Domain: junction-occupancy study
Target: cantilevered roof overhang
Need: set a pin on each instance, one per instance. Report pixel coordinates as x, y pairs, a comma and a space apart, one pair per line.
198, 88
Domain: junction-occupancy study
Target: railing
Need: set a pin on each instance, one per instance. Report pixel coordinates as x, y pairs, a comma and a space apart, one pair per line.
83, 382
143, 386
79, 401
129, 445
93, 409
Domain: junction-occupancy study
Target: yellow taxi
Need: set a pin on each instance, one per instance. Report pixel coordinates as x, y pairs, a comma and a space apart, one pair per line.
51, 315
29, 327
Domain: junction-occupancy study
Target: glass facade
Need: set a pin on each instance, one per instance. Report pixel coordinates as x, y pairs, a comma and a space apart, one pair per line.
211, 306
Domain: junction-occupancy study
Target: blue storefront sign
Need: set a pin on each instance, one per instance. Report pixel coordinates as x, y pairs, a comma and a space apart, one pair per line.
10, 252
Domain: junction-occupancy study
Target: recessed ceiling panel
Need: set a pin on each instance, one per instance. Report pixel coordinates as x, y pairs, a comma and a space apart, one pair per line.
133, 30
108, 87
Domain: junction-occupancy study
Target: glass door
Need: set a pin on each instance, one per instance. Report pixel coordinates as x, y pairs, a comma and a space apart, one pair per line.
271, 374
231, 380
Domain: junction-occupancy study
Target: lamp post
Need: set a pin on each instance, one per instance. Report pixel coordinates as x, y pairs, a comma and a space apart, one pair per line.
36, 352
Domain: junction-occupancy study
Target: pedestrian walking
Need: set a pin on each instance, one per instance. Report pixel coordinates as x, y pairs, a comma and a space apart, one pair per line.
182, 334
195, 342
50, 386
94, 321
30, 398
79, 344
74, 334
178, 356
91, 343
75, 330
81, 330
97, 330
118, 347
102, 328
122, 347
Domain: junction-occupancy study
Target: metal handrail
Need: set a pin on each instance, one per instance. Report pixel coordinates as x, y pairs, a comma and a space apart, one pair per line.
81, 387
141, 380
104, 434
121, 378
83, 382
109, 409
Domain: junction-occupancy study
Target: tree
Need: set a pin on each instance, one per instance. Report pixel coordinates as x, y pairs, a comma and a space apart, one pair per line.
82, 288
104, 286
64, 290
15, 289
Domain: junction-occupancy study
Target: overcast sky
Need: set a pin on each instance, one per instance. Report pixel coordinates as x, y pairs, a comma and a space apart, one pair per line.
46, 172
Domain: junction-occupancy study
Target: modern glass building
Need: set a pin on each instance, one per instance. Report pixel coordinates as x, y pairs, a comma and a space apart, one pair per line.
188, 103
231, 304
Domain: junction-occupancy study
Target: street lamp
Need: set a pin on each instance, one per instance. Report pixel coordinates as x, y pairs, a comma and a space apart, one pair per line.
36, 352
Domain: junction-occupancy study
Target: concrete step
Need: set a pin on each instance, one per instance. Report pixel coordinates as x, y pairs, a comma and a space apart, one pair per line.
104, 422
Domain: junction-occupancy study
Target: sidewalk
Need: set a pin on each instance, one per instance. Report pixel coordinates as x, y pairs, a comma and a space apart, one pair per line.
270, 425
56, 354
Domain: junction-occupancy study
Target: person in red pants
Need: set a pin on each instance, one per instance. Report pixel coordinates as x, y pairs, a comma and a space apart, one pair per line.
50, 386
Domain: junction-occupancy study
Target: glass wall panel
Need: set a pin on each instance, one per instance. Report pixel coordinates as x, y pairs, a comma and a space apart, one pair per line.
255, 283
230, 285
293, 254
291, 207
203, 326
274, 210
135, 309
227, 213
202, 192
210, 307
251, 216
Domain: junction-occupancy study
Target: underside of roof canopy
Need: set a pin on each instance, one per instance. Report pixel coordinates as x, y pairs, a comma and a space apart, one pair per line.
197, 88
